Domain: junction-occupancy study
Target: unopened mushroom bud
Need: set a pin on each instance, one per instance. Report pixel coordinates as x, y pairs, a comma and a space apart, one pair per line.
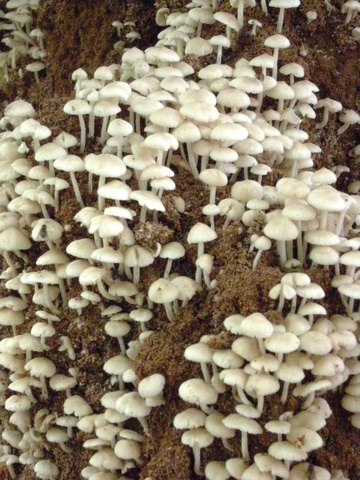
311, 15
255, 25
205, 264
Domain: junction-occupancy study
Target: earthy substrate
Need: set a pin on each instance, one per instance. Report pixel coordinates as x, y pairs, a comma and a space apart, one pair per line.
332, 64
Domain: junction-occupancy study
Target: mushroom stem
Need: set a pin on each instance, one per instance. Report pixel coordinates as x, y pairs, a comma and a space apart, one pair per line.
256, 259
48, 301
205, 372
226, 444
244, 446
169, 311
191, 160
104, 129
44, 391
76, 189
240, 13
122, 345
280, 21
308, 401
281, 248
168, 268
325, 118
8, 259
143, 212
65, 448
285, 392
82, 133
196, 452
275, 67
260, 404
219, 55
144, 424
261, 346
102, 290
136, 275
242, 397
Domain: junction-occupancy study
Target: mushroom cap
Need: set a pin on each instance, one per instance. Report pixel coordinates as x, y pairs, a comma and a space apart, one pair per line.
277, 41
10, 317
78, 406
56, 435
247, 348
127, 449
19, 108
246, 190
261, 384
132, 405
305, 439
163, 291
327, 198
60, 382
213, 177
118, 365
200, 232
281, 228
234, 377
106, 459
199, 352
151, 386
200, 111
104, 164
197, 391
13, 238
198, 46
308, 419
197, 436
136, 255
227, 19
69, 163
190, 418
216, 470
214, 424
16, 403
40, 366
256, 325
45, 469
289, 372
187, 287
302, 469
236, 467
286, 451
187, 132
282, 342
77, 106
148, 199
244, 424
227, 359
315, 343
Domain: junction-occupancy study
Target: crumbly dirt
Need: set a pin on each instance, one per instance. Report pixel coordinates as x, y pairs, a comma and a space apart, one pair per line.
73, 40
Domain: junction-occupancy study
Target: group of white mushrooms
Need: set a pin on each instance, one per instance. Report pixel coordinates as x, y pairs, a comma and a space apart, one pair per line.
153, 114
21, 40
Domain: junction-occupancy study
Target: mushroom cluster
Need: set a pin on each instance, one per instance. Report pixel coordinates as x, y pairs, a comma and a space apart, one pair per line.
21, 40
307, 352
236, 132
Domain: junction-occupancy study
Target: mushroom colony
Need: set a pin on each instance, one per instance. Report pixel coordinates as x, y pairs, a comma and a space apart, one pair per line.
180, 280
